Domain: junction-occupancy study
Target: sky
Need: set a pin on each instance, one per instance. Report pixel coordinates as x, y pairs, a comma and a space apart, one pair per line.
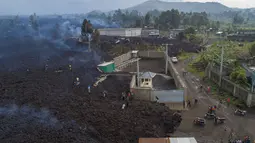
25, 7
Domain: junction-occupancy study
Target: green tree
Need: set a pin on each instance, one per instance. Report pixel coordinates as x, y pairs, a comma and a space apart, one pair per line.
252, 50
190, 30
175, 18
33, 21
147, 19
217, 24
239, 76
86, 28
169, 19
238, 19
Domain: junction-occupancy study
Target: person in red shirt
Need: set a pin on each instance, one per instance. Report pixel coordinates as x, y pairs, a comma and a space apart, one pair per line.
128, 96
228, 101
208, 89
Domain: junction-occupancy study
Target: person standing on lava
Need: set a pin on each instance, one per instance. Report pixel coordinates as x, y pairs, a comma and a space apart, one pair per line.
70, 67
77, 82
46, 67
89, 89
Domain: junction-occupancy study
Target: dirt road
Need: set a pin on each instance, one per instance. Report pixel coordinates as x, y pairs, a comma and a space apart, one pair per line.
211, 133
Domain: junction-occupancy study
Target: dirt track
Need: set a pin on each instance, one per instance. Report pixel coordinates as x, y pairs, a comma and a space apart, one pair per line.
50, 110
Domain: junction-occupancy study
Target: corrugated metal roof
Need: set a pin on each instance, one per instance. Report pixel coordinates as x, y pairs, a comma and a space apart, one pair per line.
147, 75
154, 140
183, 140
166, 96
105, 64
167, 140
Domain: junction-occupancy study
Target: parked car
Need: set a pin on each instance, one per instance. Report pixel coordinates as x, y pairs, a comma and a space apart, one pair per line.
174, 59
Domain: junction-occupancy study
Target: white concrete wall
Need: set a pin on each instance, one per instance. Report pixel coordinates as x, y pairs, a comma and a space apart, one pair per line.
123, 32
133, 32
147, 83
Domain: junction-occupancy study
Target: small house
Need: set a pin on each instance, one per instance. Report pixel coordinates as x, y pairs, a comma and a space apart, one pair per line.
106, 67
145, 79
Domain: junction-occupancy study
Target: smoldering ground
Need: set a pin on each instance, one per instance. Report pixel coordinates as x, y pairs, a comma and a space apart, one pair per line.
28, 124
23, 47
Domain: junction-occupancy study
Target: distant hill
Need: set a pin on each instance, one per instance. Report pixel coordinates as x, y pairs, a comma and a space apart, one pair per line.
209, 7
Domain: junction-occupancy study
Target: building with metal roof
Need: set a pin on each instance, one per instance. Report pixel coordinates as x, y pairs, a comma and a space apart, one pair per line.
121, 32
145, 79
168, 140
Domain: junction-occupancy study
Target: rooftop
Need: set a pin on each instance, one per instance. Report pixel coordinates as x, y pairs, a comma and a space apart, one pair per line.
134, 51
105, 64
147, 75
167, 140
120, 29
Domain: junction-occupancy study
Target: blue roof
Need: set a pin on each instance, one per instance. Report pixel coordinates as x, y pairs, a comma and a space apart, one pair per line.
147, 75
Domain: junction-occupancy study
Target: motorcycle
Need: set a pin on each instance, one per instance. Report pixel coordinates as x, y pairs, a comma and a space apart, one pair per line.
209, 116
240, 112
199, 121
219, 120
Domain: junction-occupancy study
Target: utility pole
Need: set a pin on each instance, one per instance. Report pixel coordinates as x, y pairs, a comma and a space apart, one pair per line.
221, 64
89, 42
166, 57
138, 74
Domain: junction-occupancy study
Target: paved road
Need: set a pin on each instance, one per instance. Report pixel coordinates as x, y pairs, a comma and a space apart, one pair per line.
211, 133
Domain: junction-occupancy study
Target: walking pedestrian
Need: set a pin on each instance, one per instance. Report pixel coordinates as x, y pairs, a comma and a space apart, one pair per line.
228, 101
127, 103
208, 89
123, 96
189, 104
70, 67
77, 82
157, 99
123, 106
201, 88
104, 93
46, 67
195, 102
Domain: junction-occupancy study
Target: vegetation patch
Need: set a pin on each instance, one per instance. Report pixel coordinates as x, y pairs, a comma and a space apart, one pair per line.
224, 96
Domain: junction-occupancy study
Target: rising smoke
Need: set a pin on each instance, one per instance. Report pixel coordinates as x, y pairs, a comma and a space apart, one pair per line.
24, 47
23, 116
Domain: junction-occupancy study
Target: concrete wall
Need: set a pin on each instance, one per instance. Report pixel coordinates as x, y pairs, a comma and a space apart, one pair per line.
151, 54
177, 79
123, 32
113, 32
175, 106
122, 58
237, 91
133, 32
148, 32
146, 93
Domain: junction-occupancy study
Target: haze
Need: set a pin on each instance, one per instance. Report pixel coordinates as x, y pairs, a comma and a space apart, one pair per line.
24, 7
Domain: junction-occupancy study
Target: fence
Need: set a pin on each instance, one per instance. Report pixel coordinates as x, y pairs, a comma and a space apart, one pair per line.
229, 86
